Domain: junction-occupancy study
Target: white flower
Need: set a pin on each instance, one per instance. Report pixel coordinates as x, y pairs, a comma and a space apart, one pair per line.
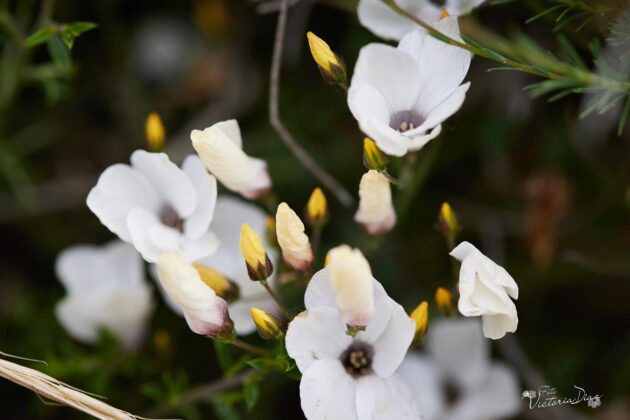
105, 290
485, 289
400, 96
205, 312
230, 213
376, 212
350, 377
296, 248
379, 18
459, 361
352, 281
157, 206
221, 149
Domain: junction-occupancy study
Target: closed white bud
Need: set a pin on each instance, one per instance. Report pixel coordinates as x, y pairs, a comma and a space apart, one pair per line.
296, 248
353, 284
376, 212
221, 149
205, 312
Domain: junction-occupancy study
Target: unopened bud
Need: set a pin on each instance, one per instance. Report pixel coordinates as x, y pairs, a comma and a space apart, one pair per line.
296, 248
444, 300
373, 157
259, 265
420, 315
376, 212
330, 64
154, 132
218, 282
317, 206
449, 225
267, 325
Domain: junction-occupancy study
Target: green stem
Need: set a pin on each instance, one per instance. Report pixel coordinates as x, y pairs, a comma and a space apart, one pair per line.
248, 347
277, 299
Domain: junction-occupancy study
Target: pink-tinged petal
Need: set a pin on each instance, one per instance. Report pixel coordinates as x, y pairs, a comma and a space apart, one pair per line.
328, 392
168, 180
385, 399
119, 189
316, 334
197, 224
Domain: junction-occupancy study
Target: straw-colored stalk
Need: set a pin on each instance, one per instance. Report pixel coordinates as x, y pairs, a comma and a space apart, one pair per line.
54, 390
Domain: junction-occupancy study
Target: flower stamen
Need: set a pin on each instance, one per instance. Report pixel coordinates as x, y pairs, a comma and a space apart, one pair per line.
405, 120
357, 359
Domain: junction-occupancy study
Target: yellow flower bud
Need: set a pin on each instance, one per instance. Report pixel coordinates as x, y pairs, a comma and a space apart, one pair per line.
217, 282
332, 68
317, 207
267, 325
449, 224
296, 248
258, 264
420, 315
444, 13
154, 132
444, 300
373, 158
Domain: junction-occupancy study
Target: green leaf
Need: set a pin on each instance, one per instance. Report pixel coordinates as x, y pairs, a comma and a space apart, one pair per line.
59, 53
224, 357
41, 36
251, 392
71, 31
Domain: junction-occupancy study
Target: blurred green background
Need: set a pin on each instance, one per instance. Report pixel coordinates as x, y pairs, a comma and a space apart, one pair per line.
539, 190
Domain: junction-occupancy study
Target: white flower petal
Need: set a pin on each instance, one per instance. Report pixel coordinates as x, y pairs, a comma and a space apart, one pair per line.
139, 223
393, 73
120, 189
196, 225
460, 350
168, 180
391, 345
385, 399
379, 18
196, 249
328, 392
497, 397
444, 110
425, 379
461, 7
417, 142
316, 334
496, 326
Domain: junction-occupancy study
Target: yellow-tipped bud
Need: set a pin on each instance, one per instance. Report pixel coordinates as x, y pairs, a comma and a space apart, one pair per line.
444, 300
217, 282
444, 13
317, 206
258, 264
449, 225
267, 325
154, 132
331, 66
373, 158
420, 315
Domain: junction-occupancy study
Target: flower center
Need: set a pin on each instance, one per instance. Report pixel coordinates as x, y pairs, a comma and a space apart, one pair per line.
452, 393
357, 359
170, 218
405, 120
439, 3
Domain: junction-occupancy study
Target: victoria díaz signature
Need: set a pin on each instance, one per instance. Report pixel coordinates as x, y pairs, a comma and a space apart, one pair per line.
547, 396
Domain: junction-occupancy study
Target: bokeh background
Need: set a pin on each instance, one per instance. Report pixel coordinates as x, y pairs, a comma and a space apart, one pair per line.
539, 190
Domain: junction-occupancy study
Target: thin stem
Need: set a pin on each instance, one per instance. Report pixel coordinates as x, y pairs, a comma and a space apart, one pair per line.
274, 117
248, 347
276, 298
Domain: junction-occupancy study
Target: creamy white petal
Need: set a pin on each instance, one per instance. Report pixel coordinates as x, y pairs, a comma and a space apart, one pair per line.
168, 180
381, 20
460, 350
316, 334
496, 326
497, 397
232, 130
196, 225
391, 345
120, 189
385, 399
327, 392
376, 211
425, 380
391, 72
139, 223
